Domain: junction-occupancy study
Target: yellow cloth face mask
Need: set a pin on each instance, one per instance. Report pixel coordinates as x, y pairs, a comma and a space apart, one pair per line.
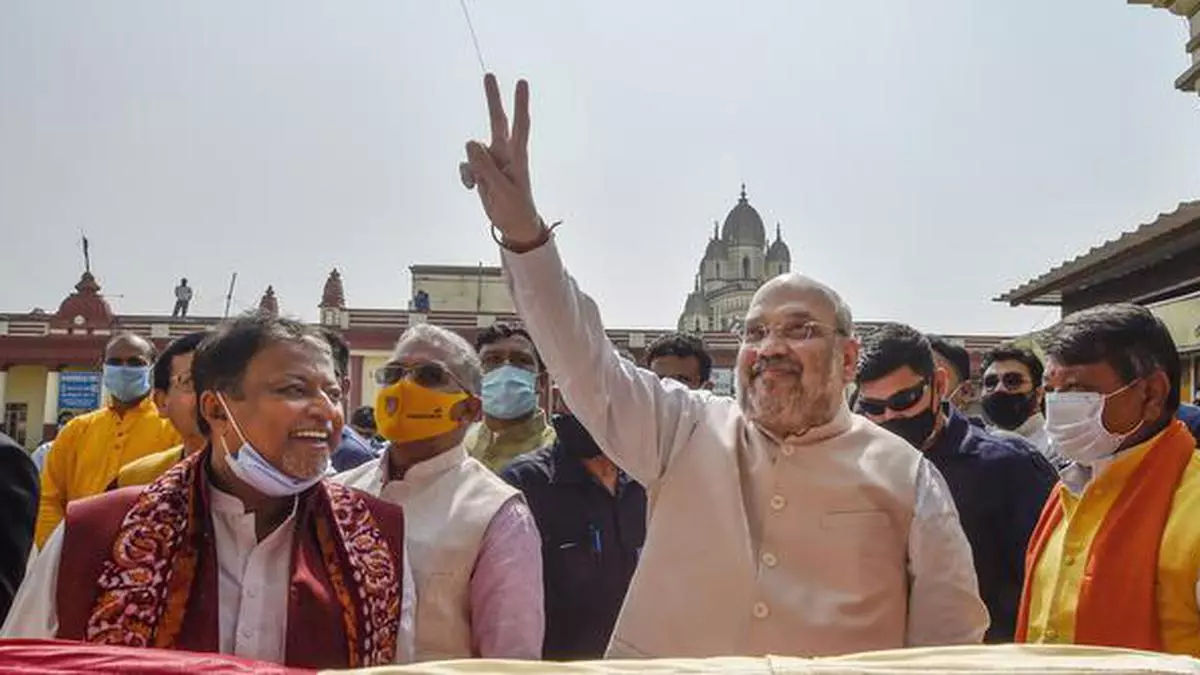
405, 412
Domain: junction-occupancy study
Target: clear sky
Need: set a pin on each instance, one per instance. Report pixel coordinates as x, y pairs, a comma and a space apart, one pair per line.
923, 156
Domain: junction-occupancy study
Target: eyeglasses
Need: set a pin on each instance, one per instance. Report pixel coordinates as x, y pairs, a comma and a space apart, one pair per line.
795, 332
1010, 380
899, 401
431, 374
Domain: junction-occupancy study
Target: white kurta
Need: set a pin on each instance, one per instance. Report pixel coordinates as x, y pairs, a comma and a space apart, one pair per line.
1033, 431
253, 579
838, 540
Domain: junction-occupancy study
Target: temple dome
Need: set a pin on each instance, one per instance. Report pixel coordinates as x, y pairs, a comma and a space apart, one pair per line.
86, 302
779, 251
743, 226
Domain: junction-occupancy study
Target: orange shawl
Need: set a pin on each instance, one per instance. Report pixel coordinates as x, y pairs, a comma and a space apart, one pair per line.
1117, 604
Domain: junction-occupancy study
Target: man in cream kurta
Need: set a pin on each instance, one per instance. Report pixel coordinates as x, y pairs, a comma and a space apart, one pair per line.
783, 523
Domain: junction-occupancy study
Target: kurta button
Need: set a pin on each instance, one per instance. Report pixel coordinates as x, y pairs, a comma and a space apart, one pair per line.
769, 559
760, 610
1051, 634
778, 502
1070, 560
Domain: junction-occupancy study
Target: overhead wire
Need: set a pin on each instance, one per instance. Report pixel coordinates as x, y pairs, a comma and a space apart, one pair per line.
474, 37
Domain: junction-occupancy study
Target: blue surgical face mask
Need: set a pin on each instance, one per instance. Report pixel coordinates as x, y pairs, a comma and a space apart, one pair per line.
254, 470
509, 392
127, 383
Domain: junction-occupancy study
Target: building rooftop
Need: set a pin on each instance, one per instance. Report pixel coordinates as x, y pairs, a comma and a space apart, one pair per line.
1149, 244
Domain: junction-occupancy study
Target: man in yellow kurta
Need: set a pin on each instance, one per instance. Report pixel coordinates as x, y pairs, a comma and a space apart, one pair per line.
1115, 558
175, 398
90, 450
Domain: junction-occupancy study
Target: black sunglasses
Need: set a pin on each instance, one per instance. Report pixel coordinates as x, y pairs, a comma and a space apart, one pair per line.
429, 374
1010, 380
899, 401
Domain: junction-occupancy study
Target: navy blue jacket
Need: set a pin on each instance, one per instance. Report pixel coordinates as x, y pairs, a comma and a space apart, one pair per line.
591, 541
999, 486
352, 451
18, 509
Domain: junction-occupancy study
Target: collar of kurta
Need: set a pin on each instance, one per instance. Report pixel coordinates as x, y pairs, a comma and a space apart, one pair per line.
517, 433
144, 407
430, 468
838, 425
1035, 423
1115, 470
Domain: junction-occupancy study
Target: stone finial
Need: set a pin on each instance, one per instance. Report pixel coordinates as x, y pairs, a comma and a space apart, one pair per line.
334, 295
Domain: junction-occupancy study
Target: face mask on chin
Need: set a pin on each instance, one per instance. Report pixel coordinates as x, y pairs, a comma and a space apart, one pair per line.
256, 471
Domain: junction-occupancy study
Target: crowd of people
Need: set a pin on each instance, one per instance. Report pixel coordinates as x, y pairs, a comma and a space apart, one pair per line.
847, 498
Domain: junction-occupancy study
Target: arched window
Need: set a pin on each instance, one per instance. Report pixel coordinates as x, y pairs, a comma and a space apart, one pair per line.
746, 267
718, 264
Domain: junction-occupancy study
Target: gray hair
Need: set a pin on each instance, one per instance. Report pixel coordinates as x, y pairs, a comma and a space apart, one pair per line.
459, 356
843, 318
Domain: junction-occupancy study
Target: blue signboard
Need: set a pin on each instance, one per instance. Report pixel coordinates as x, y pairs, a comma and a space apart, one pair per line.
78, 390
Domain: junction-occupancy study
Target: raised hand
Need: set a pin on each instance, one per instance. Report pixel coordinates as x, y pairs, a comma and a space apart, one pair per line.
500, 170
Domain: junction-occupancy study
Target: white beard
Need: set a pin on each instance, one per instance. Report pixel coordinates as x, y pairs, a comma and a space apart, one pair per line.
786, 409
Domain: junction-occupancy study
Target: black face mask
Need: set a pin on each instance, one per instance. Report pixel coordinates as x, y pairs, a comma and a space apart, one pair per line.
916, 429
573, 438
1007, 410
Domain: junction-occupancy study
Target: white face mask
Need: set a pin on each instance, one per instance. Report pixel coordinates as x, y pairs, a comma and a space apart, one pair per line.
254, 470
1075, 425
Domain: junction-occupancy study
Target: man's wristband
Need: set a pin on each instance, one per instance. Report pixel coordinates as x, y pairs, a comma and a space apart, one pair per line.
525, 247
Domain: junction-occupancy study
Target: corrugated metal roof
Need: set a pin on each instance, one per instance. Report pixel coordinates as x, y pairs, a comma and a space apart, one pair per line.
1046, 289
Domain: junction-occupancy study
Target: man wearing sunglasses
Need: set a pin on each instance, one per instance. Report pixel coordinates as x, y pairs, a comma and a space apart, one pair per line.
1012, 398
999, 485
475, 550
781, 522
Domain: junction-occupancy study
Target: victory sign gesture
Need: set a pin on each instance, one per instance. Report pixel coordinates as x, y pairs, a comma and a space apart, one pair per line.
500, 171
